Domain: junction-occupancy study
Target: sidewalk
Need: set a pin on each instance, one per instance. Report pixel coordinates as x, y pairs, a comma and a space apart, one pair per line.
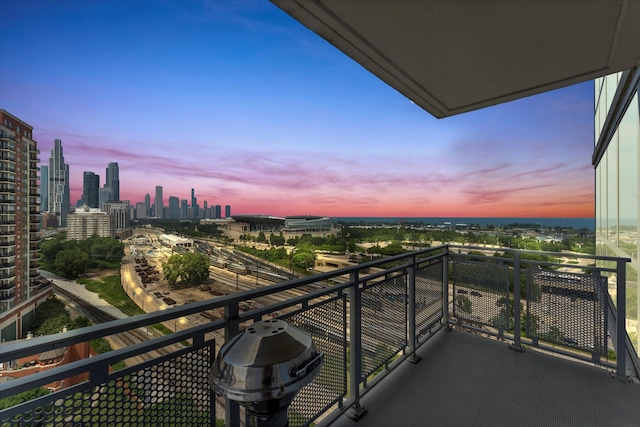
80, 291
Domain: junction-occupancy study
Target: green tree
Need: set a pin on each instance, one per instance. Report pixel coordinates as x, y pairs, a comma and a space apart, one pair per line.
49, 248
103, 248
304, 259
192, 269
261, 237
80, 322
25, 396
52, 307
276, 240
195, 269
53, 325
71, 263
172, 269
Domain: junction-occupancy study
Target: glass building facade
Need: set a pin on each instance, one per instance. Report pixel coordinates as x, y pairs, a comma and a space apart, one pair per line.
617, 160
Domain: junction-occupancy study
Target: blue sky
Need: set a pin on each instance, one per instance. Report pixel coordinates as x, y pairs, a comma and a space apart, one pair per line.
242, 103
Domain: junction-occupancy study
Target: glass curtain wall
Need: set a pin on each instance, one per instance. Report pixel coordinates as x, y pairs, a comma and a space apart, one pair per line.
617, 191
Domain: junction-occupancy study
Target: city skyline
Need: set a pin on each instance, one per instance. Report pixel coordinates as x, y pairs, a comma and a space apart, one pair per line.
252, 110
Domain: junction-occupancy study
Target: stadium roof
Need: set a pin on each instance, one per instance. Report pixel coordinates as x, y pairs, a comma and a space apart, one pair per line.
258, 219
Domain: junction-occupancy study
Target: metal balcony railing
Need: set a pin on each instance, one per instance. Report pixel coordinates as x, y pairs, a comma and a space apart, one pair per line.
366, 319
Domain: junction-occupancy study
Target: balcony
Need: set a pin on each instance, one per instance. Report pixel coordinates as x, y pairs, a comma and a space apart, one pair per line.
369, 321
5, 135
7, 296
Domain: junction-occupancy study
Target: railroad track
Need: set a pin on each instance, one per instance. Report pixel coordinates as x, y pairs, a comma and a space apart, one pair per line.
97, 315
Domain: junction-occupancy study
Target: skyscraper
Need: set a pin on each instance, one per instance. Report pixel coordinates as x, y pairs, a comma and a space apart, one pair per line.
58, 184
147, 205
104, 194
19, 221
194, 203
218, 212
174, 207
183, 208
141, 210
158, 203
90, 189
44, 188
227, 211
112, 181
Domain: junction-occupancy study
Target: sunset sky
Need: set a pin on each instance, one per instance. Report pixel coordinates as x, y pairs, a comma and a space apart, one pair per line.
242, 103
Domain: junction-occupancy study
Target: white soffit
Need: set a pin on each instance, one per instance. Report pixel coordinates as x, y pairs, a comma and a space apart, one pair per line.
454, 56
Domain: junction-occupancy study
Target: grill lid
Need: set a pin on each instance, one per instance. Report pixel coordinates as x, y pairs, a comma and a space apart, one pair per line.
269, 360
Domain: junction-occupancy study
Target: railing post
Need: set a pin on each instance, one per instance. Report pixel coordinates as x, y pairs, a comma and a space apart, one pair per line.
231, 407
411, 279
445, 287
355, 346
212, 394
517, 321
621, 319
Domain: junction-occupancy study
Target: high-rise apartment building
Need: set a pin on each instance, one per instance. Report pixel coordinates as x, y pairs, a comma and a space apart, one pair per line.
141, 210
617, 161
184, 208
218, 212
19, 224
120, 211
158, 203
90, 189
88, 222
147, 205
104, 194
227, 211
174, 207
112, 182
44, 188
194, 203
58, 184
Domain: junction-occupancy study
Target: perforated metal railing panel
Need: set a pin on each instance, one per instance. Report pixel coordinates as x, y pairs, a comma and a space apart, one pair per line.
174, 392
481, 294
429, 298
326, 323
567, 309
384, 322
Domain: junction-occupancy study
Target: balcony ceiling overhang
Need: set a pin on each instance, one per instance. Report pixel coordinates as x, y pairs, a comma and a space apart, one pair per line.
451, 57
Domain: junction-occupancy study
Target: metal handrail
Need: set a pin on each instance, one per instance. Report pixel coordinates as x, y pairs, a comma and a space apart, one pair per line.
367, 281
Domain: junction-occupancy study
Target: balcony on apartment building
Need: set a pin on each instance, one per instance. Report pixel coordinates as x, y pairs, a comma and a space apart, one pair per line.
450, 335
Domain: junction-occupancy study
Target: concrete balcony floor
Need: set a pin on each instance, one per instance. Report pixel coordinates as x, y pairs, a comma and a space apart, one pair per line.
468, 380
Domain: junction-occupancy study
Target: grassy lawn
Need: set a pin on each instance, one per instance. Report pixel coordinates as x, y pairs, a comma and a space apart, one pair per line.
110, 290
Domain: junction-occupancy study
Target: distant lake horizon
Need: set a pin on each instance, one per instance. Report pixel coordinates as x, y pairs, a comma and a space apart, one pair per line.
575, 223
